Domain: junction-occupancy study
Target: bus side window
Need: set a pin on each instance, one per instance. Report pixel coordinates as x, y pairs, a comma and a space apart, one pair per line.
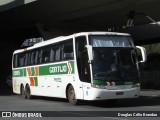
29, 58
57, 53
67, 51
40, 56
62, 52
26, 59
15, 61
32, 58
36, 57
82, 59
52, 54
46, 54
20, 60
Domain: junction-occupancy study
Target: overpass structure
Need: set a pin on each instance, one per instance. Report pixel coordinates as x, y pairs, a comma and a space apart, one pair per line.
23, 19
57, 17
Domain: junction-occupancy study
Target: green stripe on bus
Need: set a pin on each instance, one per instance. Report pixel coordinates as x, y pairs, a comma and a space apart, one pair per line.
35, 81
17, 73
55, 69
99, 82
24, 72
32, 71
104, 82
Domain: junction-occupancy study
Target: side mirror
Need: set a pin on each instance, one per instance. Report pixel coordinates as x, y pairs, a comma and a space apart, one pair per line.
143, 53
90, 52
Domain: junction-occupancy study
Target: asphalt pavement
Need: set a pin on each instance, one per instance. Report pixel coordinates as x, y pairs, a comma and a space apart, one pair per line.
149, 101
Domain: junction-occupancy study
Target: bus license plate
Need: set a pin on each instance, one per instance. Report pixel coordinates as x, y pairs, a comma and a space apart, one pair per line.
119, 93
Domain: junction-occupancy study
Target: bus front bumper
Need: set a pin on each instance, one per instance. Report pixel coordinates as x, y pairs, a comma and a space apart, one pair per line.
104, 94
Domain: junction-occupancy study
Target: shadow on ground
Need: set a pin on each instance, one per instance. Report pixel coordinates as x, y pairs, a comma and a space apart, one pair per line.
144, 100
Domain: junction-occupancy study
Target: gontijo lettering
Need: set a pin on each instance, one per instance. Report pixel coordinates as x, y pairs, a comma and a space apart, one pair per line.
58, 69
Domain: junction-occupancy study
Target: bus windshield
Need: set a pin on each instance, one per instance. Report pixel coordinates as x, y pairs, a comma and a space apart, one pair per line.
115, 65
110, 41
114, 58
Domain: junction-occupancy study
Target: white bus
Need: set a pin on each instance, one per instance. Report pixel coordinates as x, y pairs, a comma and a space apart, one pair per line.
82, 66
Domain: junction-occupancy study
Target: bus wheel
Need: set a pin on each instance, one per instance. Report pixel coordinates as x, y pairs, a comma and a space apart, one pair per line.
72, 96
23, 93
28, 92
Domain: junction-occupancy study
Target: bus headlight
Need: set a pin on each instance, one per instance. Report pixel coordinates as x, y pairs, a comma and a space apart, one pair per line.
136, 85
99, 86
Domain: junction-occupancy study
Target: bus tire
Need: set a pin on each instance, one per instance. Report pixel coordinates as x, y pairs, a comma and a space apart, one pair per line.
23, 93
28, 92
72, 96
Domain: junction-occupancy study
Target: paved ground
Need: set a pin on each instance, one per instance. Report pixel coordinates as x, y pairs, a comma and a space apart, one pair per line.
150, 93
149, 102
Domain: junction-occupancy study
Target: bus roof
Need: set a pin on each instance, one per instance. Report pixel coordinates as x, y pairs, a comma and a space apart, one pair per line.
101, 33
62, 38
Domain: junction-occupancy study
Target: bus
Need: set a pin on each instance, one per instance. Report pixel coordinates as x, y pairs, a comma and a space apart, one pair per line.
89, 66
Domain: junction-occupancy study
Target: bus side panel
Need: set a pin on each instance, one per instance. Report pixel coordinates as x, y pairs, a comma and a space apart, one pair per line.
87, 91
49, 86
77, 85
38, 87
16, 88
17, 82
60, 86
